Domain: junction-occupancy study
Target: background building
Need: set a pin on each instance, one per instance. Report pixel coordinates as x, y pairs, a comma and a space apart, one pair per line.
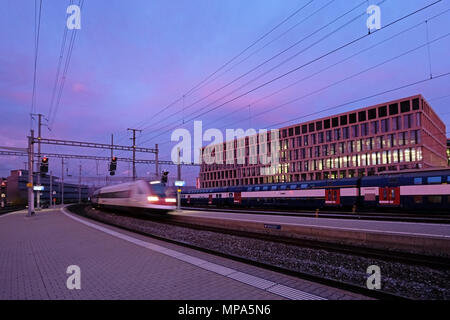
17, 191
389, 137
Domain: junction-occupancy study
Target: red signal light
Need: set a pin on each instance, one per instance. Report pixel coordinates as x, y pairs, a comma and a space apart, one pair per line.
44, 160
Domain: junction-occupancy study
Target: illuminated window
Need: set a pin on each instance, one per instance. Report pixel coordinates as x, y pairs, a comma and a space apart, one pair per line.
407, 155
384, 157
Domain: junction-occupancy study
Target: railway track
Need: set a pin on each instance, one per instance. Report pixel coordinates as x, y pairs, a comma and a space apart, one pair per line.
377, 216
407, 259
10, 209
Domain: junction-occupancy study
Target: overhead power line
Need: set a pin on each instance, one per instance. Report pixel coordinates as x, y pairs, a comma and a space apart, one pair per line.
197, 86
278, 54
302, 66
37, 29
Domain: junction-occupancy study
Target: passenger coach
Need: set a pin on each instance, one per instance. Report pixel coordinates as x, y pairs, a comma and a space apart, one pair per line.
406, 191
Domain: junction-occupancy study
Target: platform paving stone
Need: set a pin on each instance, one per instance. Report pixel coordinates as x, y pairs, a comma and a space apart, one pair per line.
35, 253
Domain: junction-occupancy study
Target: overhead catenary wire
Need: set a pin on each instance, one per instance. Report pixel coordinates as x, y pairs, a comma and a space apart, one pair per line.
352, 76
278, 54
37, 28
354, 101
64, 74
339, 62
58, 69
197, 86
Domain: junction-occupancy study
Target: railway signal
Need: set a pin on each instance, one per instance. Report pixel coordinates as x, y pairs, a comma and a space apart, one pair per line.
164, 176
113, 166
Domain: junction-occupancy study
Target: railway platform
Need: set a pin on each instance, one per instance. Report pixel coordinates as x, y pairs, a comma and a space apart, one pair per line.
58, 255
412, 237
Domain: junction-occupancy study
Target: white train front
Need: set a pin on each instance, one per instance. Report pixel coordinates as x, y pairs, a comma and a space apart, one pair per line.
138, 194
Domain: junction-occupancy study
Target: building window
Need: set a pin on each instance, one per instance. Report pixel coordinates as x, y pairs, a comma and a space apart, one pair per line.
352, 118
335, 122
343, 120
326, 124
342, 147
374, 127
299, 141
364, 129
337, 134
311, 127
345, 133
319, 125
396, 123
317, 151
355, 131
415, 104
333, 149
297, 130
393, 109
362, 116
313, 138
391, 140
379, 143
385, 125
305, 140
328, 136
372, 114
405, 106
407, 121
320, 137
304, 128
382, 111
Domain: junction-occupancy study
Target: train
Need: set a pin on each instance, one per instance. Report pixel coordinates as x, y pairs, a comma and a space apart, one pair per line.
426, 191
140, 194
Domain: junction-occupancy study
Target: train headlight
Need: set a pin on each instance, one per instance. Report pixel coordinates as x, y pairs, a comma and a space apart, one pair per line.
172, 200
152, 198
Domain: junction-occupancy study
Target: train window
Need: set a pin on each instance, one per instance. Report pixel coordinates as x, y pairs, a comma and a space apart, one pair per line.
448, 179
230, 195
257, 188
250, 189
434, 199
265, 188
274, 188
434, 179
304, 186
292, 186
418, 199
417, 180
283, 187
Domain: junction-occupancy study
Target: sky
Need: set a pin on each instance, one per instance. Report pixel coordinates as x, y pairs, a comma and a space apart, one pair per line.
131, 60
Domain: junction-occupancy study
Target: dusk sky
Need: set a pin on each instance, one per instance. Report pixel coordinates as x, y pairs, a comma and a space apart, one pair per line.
131, 59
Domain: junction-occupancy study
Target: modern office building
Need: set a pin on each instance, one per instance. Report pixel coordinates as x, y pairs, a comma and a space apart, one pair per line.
17, 191
389, 137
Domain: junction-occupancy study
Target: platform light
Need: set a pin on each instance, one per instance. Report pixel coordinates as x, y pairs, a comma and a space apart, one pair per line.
155, 182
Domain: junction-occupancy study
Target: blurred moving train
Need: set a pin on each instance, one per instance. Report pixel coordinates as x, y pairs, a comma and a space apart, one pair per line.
139, 194
413, 191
